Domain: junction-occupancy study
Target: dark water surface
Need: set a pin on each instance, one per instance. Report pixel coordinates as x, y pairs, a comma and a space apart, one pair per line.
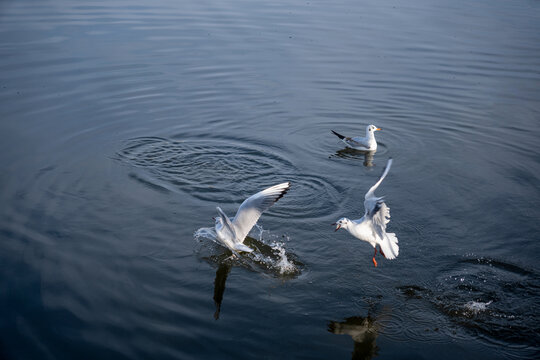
124, 123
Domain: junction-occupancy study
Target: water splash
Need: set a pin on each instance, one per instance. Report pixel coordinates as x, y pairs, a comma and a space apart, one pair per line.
490, 298
281, 261
284, 265
475, 307
269, 255
205, 233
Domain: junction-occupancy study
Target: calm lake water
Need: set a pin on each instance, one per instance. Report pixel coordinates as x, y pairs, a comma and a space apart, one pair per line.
123, 124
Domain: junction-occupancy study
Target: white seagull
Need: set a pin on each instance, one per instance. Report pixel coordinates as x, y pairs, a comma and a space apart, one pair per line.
232, 233
367, 143
372, 226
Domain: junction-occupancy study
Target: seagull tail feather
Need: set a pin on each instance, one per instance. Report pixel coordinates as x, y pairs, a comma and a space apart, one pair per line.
242, 247
390, 246
338, 135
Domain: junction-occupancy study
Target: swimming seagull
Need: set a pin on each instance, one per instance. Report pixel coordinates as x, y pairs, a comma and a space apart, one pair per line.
367, 143
372, 226
232, 233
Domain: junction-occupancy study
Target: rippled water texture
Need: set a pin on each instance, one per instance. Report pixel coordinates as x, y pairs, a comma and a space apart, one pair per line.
123, 124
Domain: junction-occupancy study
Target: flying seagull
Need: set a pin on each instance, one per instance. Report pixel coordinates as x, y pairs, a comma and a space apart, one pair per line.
372, 226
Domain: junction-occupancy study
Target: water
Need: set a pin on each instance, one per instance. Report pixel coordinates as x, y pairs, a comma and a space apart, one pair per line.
123, 124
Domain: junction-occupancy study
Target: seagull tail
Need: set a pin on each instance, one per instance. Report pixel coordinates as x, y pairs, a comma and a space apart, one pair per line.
242, 247
338, 135
390, 246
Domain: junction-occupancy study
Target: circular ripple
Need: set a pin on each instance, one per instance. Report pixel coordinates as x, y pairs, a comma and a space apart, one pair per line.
227, 172
209, 170
492, 299
310, 197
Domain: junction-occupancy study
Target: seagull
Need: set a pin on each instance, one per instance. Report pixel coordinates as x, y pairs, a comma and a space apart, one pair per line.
231, 233
367, 143
372, 226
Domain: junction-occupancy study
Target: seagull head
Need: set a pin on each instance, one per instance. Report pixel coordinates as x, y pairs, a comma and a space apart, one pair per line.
343, 222
372, 129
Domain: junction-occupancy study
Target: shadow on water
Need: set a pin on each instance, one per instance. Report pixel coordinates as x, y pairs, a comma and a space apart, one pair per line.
267, 258
363, 331
491, 299
219, 285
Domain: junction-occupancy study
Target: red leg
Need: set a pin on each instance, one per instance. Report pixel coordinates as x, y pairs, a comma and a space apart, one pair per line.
380, 250
375, 261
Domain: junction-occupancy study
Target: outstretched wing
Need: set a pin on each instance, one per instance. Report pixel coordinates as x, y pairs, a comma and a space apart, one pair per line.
372, 203
227, 225
380, 218
379, 214
251, 209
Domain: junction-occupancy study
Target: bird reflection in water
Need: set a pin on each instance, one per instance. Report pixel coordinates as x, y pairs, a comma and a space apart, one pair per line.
364, 332
350, 153
225, 262
268, 259
219, 285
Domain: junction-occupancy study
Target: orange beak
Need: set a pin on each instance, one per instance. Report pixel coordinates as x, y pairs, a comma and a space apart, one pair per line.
378, 129
338, 226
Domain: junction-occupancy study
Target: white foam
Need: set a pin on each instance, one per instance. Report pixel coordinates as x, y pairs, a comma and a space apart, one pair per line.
283, 264
278, 261
477, 306
207, 233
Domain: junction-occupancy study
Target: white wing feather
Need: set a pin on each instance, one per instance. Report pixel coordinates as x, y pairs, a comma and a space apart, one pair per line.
389, 246
251, 209
387, 241
372, 203
379, 213
356, 142
227, 228
371, 191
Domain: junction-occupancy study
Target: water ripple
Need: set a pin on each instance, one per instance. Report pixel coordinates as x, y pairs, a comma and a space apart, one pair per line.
490, 298
211, 170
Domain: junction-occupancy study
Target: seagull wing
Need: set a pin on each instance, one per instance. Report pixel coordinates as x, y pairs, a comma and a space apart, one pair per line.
376, 209
387, 241
372, 203
380, 218
227, 225
356, 142
251, 209
379, 213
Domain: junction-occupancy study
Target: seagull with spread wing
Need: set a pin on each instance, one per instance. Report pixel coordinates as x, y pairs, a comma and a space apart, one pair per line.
372, 226
231, 233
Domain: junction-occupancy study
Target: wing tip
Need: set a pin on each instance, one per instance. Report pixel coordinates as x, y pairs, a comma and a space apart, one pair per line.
286, 187
338, 135
388, 164
221, 213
